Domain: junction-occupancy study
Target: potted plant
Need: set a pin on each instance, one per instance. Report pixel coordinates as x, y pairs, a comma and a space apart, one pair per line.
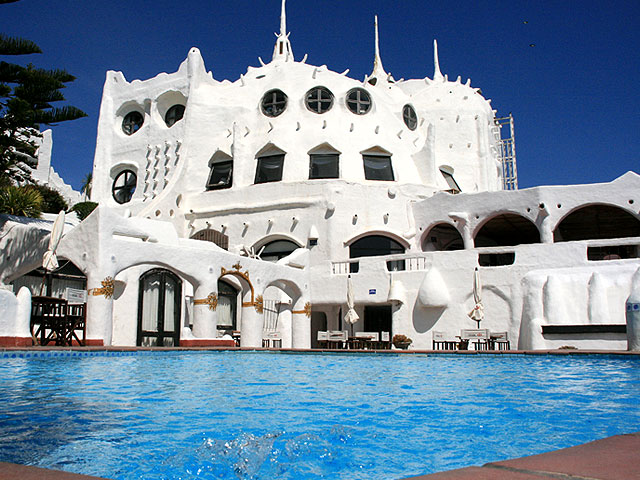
401, 341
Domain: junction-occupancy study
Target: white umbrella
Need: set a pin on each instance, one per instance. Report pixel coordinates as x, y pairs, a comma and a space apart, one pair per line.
477, 314
351, 317
49, 259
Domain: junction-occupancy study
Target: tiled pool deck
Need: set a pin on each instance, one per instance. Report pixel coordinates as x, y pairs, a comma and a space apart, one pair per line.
613, 458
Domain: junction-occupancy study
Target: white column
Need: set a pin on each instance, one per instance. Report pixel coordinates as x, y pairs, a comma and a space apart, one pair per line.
301, 324
252, 324
205, 318
99, 309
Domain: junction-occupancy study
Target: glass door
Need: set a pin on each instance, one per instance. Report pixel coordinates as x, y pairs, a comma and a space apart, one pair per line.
159, 309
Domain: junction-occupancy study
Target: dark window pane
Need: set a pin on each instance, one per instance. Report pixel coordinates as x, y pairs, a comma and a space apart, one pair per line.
274, 251
319, 100
374, 246
220, 176
273, 103
323, 166
174, 114
124, 186
358, 101
269, 169
132, 122
409, 116
377, 167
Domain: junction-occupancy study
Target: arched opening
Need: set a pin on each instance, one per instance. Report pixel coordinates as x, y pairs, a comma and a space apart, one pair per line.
159, 303
374, 246
277, 249
597, 222
213, 236
507, 229
227, 307
442, 237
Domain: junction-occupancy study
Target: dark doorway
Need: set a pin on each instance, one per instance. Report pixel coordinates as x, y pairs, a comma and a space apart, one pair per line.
159, 309
377, 319
318, 324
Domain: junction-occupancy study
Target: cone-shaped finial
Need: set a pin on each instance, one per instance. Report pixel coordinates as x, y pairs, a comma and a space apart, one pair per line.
437, 74
378, 70
282, 49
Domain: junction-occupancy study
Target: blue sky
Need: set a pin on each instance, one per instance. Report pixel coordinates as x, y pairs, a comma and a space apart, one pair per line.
567, 70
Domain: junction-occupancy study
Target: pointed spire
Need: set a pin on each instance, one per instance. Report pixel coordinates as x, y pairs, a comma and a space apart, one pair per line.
437, 74
378, 70
282, 49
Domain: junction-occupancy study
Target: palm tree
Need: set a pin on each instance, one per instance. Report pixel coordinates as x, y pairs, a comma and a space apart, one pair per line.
86, 186
21, 201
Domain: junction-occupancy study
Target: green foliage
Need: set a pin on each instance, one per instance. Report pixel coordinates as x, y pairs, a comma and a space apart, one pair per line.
52, 201
21, 201
86, 185
26, 98
84, 209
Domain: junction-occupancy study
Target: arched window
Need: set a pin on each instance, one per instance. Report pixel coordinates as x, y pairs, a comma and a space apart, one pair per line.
274, 251
374, 246
173, 115
442, 237
507, 229
213, 236
597, 222
132, 122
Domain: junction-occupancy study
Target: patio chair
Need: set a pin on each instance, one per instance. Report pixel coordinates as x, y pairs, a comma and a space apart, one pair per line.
441, 343
48, 320
479, 337
76, 323
337, 338
323, 339
364, 340
385, 340
499, 341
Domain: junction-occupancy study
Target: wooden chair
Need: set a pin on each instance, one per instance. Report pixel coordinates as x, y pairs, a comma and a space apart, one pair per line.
323, 339
385, 340
337, 338
441, 343
76, 323
48, 320
499, 341
479, 337
364, 340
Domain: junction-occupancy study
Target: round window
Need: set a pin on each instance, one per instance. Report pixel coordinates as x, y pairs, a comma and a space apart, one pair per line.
358, 101
132, 122
273, 103
409, 116
319, 100
124, 186
174, 114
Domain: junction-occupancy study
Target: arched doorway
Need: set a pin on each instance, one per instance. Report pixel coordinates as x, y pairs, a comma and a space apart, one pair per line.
374, 246
227, 307
507, 229
159, 309
442, 237
597, 222
274, 251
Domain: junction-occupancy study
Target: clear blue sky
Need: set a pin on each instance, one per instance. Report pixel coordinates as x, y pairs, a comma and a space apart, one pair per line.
569, 71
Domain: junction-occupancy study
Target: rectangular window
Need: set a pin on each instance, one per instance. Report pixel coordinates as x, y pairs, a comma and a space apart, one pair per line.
323, 165
496, 259
221, 175
612, 252
269, 169
378, 167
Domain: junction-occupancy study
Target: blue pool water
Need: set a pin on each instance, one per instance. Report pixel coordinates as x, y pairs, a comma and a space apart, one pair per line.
231, 415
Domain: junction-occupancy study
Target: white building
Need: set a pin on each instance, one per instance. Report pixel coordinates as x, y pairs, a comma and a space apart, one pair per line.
406, 185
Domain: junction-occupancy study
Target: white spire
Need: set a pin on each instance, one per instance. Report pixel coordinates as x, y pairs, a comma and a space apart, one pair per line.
282, 49
437, 74
378, 70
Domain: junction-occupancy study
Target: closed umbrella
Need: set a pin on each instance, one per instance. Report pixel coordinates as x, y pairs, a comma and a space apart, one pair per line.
351, 317
49, 259
477, 314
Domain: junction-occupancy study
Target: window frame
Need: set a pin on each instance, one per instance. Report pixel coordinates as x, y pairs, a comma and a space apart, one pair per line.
376, 156
130, 126
127, 175
335, 156
318, 91
410, 117
259, 165
272, 109
358, 101
220, 186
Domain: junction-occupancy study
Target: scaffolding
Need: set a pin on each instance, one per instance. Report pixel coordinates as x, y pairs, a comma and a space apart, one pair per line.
505, 137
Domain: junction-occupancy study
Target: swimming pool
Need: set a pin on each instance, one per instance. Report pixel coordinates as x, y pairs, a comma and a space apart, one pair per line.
263, 415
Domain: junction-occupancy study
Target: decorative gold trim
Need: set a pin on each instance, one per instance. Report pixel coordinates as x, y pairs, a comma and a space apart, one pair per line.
237, 271
306, 311
259, 304
106, 289
211, 300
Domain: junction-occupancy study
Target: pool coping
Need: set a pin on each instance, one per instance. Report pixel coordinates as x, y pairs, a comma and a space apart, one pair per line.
109, 349
611, 458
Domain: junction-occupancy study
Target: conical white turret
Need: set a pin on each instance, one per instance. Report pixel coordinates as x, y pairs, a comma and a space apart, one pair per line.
437, 74
378, 73
282, 50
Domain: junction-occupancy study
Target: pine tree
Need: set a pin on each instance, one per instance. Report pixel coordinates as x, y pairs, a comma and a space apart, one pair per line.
26, 97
